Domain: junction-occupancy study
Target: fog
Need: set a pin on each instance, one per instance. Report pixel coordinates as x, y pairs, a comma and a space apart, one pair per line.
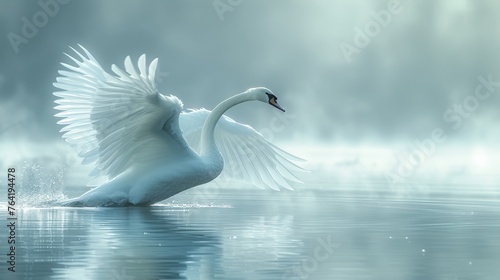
365, 76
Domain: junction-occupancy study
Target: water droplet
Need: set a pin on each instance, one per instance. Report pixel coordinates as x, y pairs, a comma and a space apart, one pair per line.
423, 250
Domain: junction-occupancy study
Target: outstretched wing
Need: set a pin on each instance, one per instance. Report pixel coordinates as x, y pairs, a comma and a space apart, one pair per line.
248, 157
116, 120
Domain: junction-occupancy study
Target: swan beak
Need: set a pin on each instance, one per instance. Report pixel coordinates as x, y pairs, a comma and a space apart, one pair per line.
275, 104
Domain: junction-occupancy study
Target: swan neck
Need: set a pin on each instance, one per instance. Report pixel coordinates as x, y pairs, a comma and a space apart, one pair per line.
208, 146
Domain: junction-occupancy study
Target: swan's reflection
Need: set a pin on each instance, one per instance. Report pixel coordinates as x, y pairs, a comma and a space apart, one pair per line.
159, 242
123, 243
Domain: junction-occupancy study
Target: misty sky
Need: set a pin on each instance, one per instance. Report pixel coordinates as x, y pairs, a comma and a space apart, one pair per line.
393, 87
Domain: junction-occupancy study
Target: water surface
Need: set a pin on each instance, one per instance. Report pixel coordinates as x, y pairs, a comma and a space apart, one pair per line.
259, 234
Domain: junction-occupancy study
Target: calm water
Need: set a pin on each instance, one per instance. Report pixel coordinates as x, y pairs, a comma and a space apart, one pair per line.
258, 234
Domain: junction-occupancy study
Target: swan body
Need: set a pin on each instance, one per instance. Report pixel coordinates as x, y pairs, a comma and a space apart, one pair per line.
148, 146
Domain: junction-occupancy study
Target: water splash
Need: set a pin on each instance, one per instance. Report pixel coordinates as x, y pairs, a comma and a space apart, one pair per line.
193, 205
41, 182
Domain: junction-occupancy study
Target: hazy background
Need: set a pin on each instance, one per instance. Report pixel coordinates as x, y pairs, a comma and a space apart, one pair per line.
363, 110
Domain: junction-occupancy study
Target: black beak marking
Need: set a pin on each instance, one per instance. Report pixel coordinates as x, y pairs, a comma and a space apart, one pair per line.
273, 100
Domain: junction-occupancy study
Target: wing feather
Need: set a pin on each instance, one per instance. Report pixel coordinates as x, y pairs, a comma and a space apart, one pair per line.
152, 69
247, 155
110, 118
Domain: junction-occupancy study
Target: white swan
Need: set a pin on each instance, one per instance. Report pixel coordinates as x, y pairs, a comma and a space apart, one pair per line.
135, 136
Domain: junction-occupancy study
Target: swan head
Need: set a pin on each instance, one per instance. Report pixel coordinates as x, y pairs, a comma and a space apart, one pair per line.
265, 95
